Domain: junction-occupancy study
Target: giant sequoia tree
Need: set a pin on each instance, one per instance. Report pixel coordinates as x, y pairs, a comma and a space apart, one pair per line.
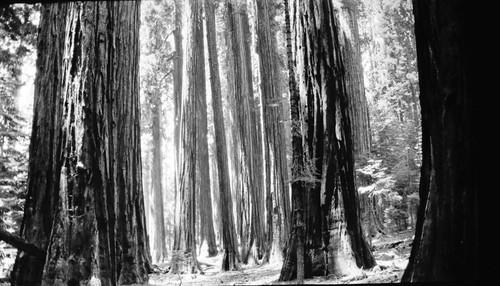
446, 245
330, 203
84, 205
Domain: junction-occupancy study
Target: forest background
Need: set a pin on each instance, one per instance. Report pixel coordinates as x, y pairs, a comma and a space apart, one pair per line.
387, 173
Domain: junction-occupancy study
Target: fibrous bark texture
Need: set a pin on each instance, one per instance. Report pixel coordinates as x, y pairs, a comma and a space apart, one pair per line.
331, 214
446, 245
85, 204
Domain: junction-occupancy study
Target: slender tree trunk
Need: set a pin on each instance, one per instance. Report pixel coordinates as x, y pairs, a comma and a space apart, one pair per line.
159, 244
205, 206
446, 245
86, 207
188, 140
272, 116
230, 257
177, 83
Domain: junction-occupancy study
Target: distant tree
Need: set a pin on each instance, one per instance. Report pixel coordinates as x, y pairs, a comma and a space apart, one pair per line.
275, 147
446, 245
230, 256
84, 199
184, 241
203, 166
247, 138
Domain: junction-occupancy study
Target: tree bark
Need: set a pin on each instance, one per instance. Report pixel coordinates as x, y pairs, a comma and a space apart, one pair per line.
331, 214
230, 257
446, 245
293, 264
93, 211
358, 105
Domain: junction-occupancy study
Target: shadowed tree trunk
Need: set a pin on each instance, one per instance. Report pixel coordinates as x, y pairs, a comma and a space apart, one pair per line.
84, 205
331, 214
446, 245
293, 263
230, 257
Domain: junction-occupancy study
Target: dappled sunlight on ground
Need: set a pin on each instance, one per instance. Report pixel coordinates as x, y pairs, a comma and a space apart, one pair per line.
390, 251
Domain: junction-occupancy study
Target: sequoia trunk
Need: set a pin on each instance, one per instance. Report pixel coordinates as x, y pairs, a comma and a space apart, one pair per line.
446, 245
85, 202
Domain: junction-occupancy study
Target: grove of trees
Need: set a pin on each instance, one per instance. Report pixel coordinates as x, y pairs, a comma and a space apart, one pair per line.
252, 131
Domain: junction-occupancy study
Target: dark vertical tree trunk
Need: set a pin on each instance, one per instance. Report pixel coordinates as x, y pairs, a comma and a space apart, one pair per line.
293, 264
86, 207
230, 257
159, 244
331, 214
446, 246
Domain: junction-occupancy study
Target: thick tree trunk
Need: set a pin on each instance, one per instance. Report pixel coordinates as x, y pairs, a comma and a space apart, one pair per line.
331, 213
230, 257
86, 207
446, 245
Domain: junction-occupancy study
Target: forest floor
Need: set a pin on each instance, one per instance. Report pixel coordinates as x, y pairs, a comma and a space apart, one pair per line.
390, 251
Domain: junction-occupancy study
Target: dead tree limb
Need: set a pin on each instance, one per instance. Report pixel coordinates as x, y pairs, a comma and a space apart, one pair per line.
21, 244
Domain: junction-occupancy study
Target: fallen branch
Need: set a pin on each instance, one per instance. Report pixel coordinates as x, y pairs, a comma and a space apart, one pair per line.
21, 244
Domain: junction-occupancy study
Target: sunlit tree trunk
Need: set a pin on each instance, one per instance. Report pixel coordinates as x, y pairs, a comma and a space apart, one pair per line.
85, 203
159, 244
246, 118
185, 249
177, 84
230, 257
205, 205
446, 244
358, 105
272, 119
